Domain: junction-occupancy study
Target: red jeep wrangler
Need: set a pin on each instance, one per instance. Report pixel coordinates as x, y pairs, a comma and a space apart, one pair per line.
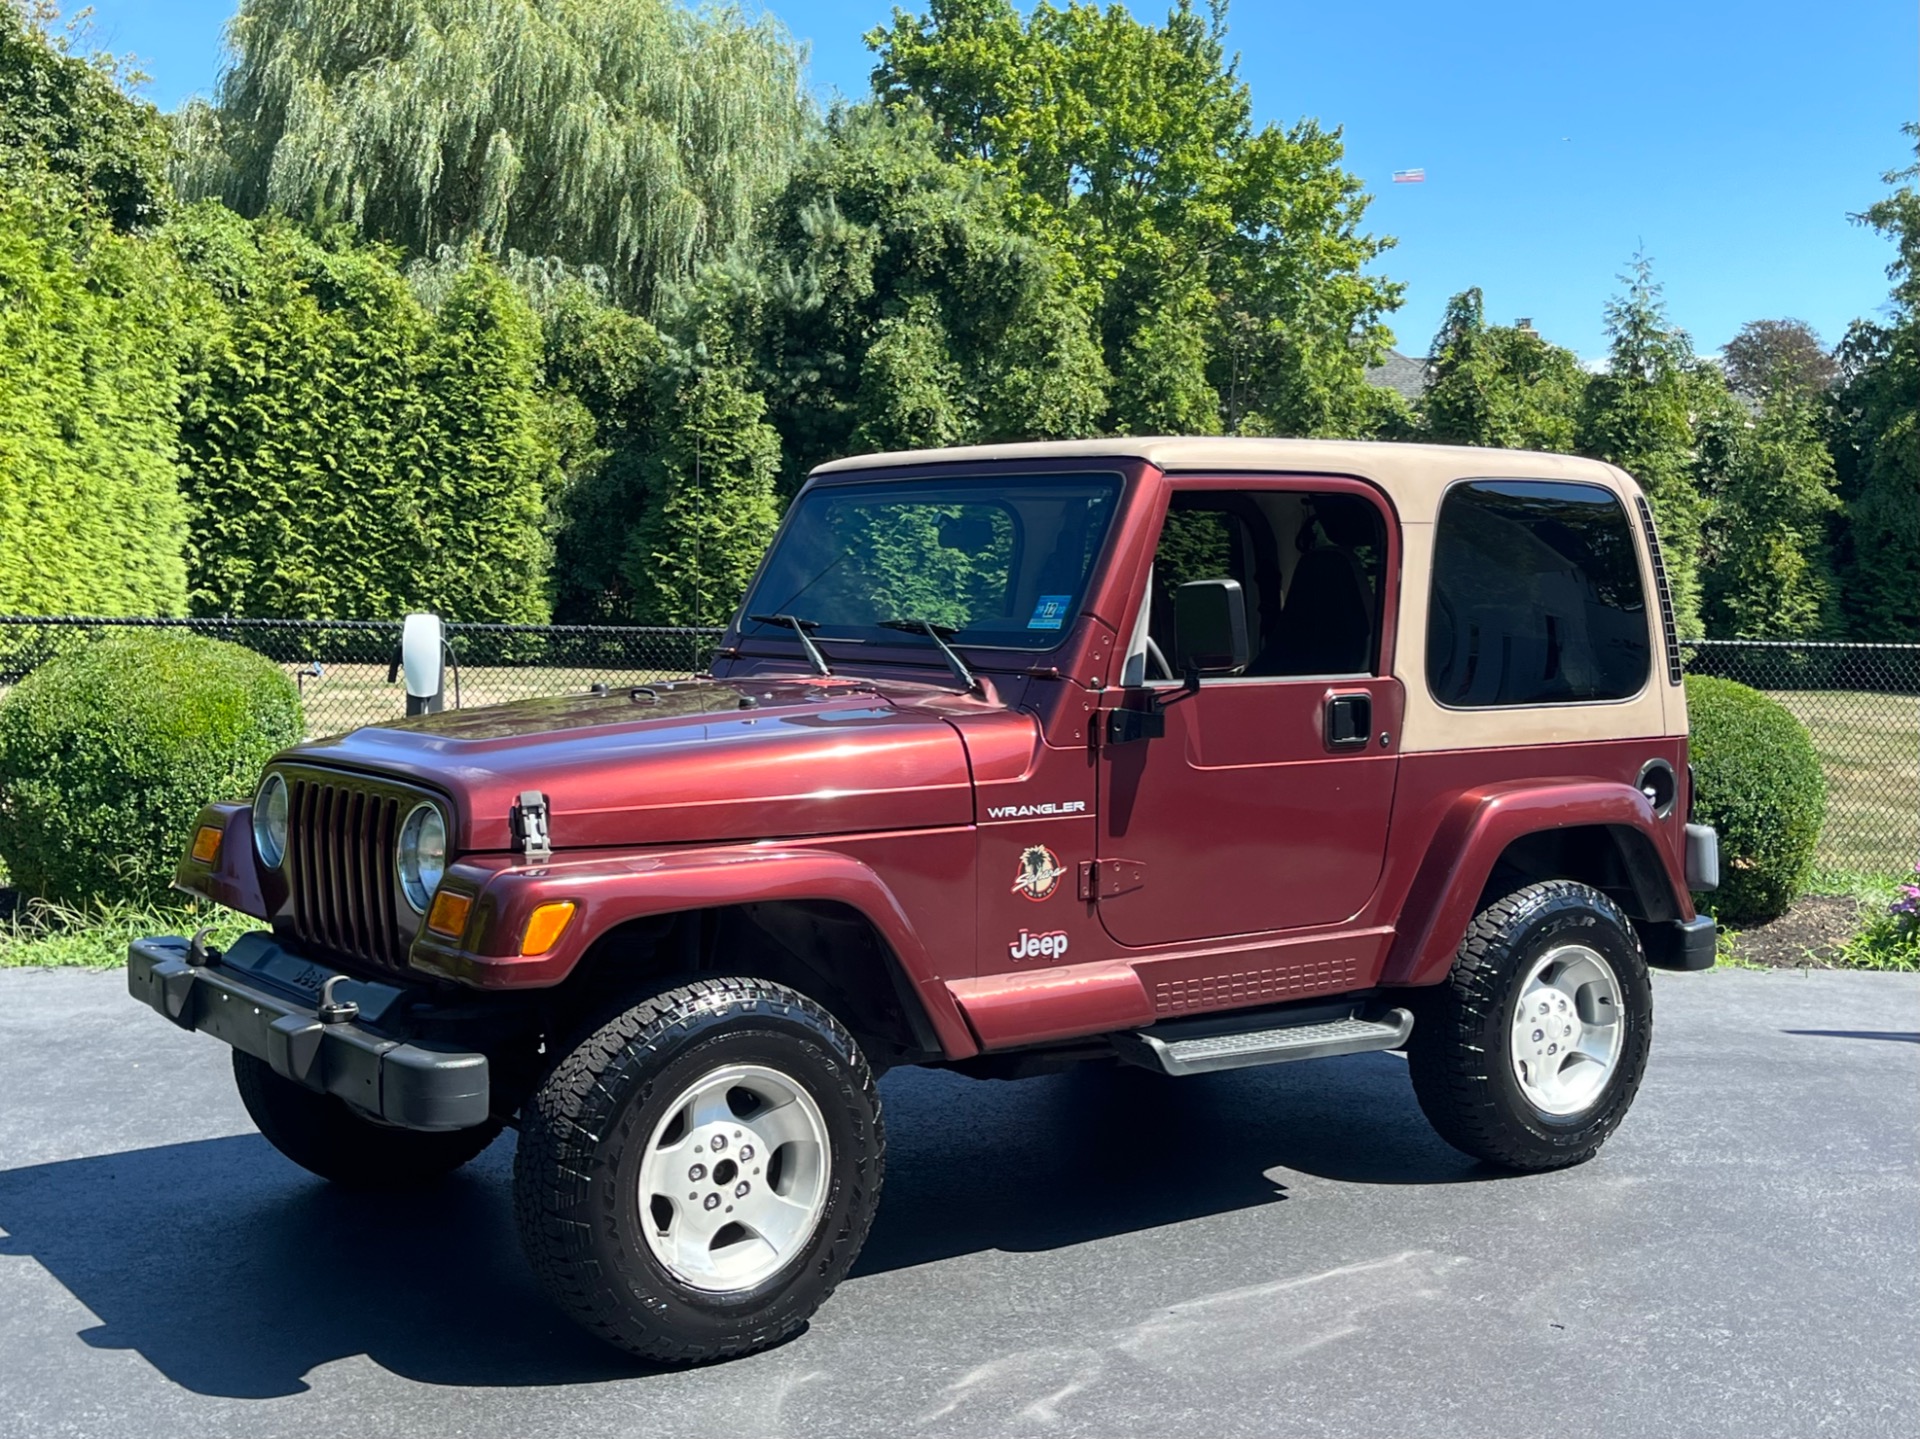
1183, 753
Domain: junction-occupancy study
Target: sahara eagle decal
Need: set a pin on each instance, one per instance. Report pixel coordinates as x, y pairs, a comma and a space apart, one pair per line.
1039, 874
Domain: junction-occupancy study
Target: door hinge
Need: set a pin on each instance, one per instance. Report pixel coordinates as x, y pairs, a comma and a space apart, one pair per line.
530, 829
1104, 878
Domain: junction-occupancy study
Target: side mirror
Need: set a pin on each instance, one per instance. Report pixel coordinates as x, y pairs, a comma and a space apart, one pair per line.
1210, 627
422, 655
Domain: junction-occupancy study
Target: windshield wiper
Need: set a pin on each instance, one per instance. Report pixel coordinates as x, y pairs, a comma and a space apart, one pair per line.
938, 634
799, 628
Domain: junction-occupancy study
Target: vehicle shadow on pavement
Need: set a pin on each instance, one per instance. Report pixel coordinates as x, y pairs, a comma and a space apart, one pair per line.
1108, 1150
235, 1274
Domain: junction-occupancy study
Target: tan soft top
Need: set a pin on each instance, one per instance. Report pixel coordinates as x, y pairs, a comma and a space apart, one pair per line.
1414, 475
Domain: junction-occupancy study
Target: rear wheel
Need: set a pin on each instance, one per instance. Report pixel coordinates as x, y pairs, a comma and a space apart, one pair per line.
695, 1178
322, 1134
1531, 1052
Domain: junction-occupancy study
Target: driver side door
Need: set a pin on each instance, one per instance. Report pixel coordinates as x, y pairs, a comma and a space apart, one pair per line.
1264, 806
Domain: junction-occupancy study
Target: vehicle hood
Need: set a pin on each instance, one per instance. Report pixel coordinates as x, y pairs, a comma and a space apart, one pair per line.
692, 761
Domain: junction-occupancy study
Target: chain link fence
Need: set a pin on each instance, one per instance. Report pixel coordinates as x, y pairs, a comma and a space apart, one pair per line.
1860, 701
1861, 704
345, 668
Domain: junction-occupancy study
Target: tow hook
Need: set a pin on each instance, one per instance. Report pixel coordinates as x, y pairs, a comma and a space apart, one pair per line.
199, 952
335, 1011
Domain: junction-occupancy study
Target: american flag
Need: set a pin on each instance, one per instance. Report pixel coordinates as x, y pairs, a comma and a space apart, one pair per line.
1409, 177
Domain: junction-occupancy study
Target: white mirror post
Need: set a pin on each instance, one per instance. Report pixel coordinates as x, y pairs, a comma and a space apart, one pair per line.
422, 661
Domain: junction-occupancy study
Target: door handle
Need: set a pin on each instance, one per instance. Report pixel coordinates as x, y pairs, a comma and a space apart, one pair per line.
1349, 721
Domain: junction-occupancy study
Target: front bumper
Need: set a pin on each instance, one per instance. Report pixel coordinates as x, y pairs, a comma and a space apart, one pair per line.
263, 1000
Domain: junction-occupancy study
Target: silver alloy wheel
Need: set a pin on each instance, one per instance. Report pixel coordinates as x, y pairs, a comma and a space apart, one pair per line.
1567, 1030
734, 1180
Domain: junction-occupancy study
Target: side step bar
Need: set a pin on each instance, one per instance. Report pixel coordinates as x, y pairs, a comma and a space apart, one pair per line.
1201, 1047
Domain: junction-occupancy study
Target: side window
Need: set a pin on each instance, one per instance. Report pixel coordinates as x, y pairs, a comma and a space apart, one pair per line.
1310, 568
1536, 597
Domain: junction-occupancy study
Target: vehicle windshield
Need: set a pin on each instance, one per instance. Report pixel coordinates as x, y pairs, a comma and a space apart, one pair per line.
1003, 562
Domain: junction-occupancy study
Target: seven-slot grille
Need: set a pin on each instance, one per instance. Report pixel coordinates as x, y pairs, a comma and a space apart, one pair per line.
340, 865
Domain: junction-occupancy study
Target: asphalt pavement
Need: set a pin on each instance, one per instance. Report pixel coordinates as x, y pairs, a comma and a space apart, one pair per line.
1269, 1252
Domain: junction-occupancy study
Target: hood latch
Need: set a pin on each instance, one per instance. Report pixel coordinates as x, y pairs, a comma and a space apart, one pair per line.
530, 829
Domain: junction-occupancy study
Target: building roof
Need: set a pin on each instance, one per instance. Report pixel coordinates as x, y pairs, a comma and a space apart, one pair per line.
1405, 375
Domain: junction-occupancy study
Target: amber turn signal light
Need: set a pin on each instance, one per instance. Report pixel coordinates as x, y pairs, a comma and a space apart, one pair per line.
206, 844
545, 926
449, 913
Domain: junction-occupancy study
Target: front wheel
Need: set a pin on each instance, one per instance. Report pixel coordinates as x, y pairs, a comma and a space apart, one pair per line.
695, 1178
1531, 1052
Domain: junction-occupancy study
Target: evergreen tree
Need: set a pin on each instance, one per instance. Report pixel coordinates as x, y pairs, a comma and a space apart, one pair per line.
1639, 416
1877, 425
479, 505
1770, 578
91, 519
1499, 385
632, 134
348, 451
710, 507
603, 362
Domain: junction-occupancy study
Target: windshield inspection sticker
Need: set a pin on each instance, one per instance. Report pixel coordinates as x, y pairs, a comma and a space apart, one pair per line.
1050, 612
1039, 873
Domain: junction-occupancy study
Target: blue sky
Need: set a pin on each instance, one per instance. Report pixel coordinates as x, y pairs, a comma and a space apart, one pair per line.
1730, 140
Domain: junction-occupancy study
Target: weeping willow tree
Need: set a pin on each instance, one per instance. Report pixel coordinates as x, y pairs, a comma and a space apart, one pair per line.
634, 135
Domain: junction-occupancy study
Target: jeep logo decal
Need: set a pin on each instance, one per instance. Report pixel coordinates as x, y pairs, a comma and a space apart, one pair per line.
1052, 945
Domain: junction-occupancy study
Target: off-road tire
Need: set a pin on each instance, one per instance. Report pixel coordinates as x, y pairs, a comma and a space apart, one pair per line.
323, 1135
1459, 1051
582, 1140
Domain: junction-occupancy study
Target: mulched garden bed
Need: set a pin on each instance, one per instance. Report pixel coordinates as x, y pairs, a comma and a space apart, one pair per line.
1810, 933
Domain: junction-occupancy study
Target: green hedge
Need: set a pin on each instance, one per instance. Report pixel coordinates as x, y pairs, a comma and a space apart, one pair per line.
91, 519
350, 451
1759, 783
108, 753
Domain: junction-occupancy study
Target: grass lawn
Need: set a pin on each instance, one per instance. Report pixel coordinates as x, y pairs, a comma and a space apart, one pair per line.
347, 696
34, 934
1869, 745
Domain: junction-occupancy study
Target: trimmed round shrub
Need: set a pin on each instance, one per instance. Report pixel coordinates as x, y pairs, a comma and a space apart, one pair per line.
107, 754
1759, 783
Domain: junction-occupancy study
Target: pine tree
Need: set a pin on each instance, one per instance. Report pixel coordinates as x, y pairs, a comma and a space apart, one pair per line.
1638, 416
710, 507
1771, 579
1878, 437
1499, 385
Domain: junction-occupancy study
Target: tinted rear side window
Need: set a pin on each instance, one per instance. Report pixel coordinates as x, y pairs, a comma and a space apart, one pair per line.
1536, 597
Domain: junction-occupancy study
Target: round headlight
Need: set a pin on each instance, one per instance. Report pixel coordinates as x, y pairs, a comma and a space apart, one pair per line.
423, 855
270, 821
